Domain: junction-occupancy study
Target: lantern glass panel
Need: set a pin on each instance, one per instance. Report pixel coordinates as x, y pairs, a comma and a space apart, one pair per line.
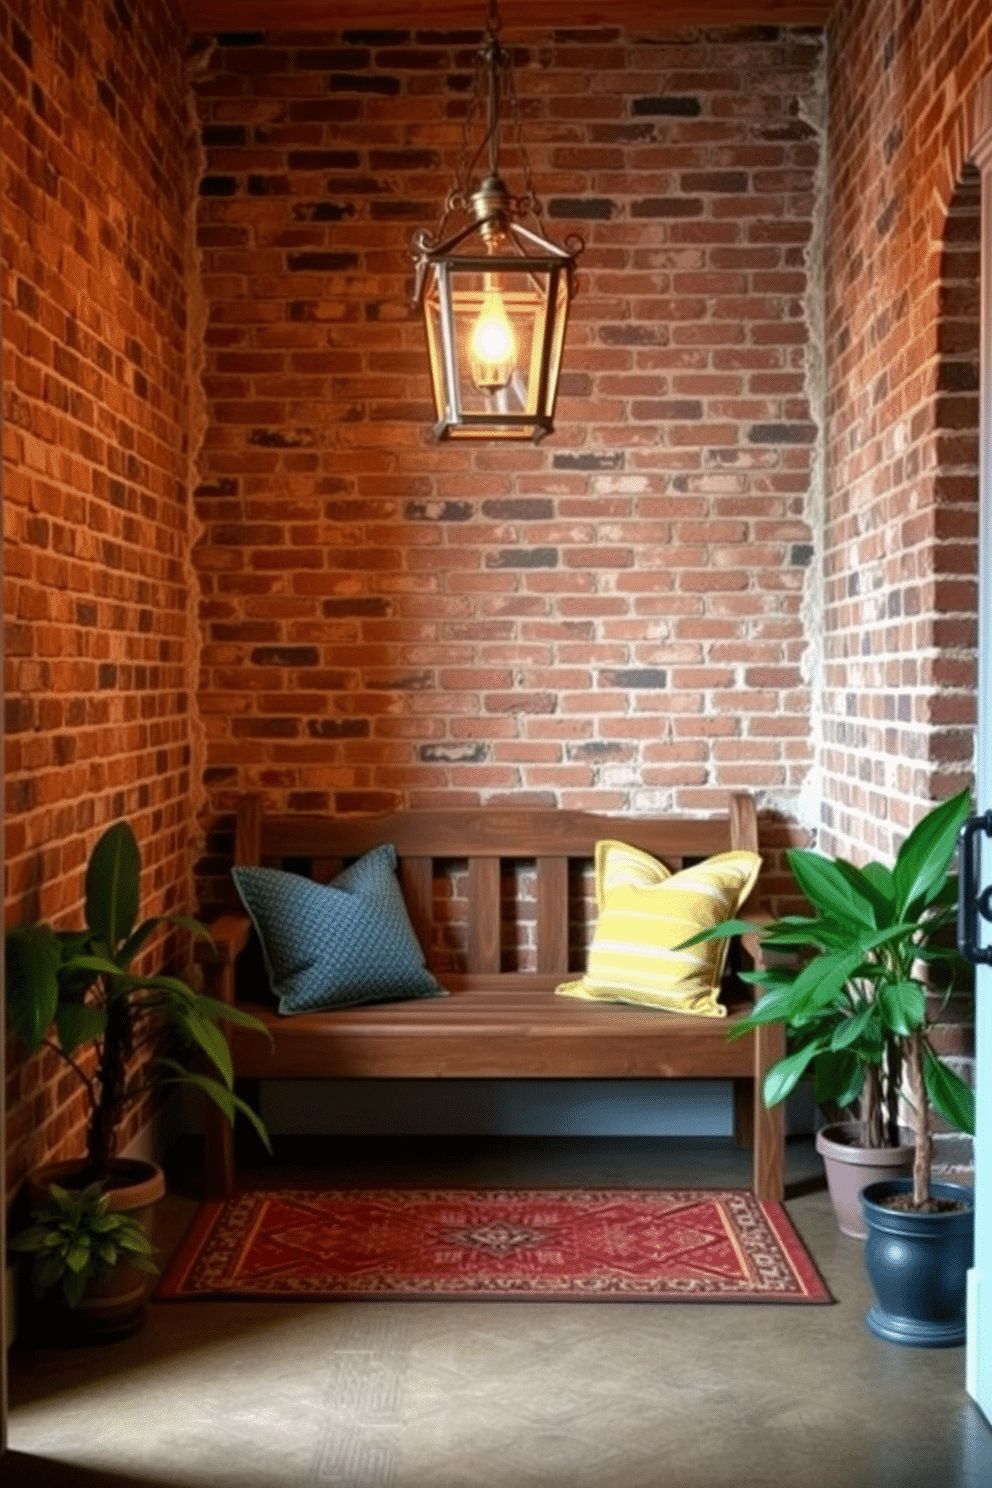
498, 320
500, 361
558, 314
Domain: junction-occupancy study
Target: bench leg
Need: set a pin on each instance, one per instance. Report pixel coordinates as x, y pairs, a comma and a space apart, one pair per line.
769, 1126
744, 1113
218, 1153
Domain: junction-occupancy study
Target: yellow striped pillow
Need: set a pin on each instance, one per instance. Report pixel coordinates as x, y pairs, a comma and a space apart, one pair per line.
619, 866
644, 912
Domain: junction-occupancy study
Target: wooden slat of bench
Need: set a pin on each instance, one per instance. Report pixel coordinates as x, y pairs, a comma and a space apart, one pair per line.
509, 833
552, 915
417, 881
484, 914
248, 832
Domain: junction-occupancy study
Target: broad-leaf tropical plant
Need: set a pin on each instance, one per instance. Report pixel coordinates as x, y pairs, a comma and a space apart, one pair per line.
855, 996
70, 989
74, 1238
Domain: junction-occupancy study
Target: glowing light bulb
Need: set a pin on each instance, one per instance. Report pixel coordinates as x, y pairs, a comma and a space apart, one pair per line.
492, 346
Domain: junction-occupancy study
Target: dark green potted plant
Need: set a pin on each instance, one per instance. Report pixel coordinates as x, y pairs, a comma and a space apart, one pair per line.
855, 1003
77, 992
96, 1258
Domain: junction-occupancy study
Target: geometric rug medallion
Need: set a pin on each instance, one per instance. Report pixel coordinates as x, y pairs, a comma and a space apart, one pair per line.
542, 1245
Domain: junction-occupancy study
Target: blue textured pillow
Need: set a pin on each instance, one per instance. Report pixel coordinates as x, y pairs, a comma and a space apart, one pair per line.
338, 944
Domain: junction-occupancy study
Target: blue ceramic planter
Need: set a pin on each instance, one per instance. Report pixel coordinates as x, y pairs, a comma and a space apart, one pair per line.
918, 1266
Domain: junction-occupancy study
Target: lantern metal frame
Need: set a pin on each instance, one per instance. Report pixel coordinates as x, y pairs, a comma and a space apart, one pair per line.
493, 256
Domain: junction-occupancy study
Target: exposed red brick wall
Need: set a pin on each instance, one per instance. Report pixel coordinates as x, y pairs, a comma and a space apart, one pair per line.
910, 89
94, 111
612, 620
902, 351
609, 621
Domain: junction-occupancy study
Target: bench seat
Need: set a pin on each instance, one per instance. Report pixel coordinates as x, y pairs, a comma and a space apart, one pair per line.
502, 1028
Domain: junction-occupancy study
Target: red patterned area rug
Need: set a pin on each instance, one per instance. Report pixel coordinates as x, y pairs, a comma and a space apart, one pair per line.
543, 1245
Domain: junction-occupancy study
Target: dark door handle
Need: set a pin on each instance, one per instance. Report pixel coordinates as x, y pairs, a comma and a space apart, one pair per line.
971, 902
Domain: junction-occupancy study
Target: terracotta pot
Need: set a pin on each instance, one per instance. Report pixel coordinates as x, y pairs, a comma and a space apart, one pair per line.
112, 1306
850, 1168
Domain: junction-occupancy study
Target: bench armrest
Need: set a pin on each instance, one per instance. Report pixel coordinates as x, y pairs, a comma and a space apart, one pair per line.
752, 948
230, 934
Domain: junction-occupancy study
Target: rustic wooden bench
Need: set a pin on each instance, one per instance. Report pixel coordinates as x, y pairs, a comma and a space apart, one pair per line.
496, 1024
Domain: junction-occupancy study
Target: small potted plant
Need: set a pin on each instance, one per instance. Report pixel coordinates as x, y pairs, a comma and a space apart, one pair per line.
76, 992
855, 1004
97, 1257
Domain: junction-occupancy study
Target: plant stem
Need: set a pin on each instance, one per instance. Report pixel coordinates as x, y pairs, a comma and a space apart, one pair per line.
106, 1115
924, 1139
871, 1110
893, 1084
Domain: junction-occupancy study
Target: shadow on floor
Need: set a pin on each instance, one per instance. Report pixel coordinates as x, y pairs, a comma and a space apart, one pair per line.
25, 1470
513, 1161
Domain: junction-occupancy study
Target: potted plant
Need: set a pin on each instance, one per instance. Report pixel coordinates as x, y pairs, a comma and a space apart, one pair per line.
855, 1006
76, 992
97, 1256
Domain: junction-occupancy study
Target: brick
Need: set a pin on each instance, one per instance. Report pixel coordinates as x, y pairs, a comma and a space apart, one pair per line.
671, 106
519, 509
715, 181
338, 728
782, 433
587, 209
285, 656
320, 262
218, 186
667, 206
355, 83
635, 677
523, 558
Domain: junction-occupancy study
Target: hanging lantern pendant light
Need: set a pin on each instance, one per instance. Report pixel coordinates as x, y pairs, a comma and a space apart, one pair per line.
495, 294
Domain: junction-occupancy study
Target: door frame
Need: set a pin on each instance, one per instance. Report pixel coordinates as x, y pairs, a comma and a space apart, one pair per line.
4, 1320
978, 1360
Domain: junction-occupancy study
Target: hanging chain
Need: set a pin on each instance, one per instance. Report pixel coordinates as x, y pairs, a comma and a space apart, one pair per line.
494, 60
529, 202
457, 199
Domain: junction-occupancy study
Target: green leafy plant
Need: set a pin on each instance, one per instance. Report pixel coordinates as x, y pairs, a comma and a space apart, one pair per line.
74, 1238
855, 998
78, 985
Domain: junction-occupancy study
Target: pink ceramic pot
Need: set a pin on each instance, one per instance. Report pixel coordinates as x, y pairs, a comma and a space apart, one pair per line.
851, 1168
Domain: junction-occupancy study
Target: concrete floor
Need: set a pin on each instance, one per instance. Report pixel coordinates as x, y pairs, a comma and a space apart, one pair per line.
456, 1395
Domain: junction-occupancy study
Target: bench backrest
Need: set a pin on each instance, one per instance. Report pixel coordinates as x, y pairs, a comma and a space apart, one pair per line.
486, 839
